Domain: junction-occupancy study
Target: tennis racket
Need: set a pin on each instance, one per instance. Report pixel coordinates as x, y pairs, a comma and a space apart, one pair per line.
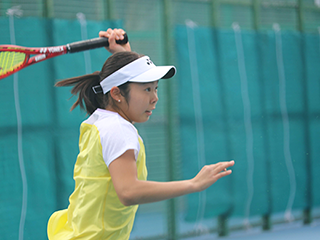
14, 58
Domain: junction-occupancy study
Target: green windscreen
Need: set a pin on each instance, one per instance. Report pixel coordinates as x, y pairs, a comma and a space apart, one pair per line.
249, 94
252, 97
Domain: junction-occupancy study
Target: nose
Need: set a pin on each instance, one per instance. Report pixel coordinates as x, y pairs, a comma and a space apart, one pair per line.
155, 98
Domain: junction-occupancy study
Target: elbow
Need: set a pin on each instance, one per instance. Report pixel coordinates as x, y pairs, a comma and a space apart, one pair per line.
127, 198
126, 201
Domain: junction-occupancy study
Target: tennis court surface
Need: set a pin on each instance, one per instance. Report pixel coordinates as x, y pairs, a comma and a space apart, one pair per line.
292, 231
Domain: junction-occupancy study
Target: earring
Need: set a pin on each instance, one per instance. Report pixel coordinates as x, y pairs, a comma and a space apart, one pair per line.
119, 100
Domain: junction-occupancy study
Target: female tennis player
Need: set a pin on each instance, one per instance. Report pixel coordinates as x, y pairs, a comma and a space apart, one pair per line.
110, 172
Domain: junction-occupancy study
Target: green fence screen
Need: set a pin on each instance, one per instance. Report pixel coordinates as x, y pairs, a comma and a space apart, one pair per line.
252, 97
49, 130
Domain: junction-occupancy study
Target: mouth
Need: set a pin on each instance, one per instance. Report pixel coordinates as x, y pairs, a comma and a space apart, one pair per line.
149, 112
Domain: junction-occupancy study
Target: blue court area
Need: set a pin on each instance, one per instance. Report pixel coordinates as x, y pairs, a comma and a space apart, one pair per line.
152, 226
292, 231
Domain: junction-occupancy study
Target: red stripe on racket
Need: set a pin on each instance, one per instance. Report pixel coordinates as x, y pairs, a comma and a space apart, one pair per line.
14, 58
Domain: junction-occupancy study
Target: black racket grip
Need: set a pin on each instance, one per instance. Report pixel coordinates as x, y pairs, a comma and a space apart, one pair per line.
92, 44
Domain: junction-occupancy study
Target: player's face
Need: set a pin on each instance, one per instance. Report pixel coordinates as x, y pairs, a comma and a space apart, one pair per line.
143, 98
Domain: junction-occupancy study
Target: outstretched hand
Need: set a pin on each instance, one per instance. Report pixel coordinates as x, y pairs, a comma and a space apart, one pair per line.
209, 174
113, 35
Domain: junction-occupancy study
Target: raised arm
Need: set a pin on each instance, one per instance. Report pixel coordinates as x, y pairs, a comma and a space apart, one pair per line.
133, 191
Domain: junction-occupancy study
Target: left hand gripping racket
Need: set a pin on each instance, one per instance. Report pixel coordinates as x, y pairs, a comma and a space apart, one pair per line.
14, 58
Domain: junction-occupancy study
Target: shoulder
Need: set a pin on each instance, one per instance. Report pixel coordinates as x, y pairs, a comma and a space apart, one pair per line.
112, 127
113, 123
110, 121
115, 133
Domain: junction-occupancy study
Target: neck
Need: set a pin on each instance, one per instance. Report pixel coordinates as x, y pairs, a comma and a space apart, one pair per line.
118, 110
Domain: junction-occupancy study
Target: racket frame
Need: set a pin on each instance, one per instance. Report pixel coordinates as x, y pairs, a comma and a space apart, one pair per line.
41, 55
44, 53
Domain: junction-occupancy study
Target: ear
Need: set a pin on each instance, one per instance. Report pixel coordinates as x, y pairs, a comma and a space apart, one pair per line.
116, 94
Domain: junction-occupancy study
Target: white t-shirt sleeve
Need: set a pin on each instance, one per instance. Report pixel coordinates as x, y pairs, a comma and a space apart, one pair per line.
117, 138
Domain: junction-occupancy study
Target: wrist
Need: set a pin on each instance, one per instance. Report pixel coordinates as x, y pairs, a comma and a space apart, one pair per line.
192, 186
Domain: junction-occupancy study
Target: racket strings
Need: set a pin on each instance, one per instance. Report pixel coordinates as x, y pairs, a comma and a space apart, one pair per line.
10, 61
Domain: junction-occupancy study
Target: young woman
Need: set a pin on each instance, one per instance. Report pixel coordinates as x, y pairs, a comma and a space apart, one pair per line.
110, 172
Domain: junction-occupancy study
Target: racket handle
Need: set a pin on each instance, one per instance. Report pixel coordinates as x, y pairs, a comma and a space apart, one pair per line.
92, 44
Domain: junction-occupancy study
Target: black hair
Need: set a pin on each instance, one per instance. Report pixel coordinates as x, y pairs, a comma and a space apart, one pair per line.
82, 85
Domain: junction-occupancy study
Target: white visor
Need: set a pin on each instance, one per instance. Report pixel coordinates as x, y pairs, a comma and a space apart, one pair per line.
141, 70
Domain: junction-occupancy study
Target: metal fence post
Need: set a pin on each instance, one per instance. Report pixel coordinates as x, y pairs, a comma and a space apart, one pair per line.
256, 14
47, 9
215, 13
168, 45
108, 9
223, 225
300, 16
307, 218
222, 228
256, 4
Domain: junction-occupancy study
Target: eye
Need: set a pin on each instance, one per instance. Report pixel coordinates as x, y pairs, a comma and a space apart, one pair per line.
148, 89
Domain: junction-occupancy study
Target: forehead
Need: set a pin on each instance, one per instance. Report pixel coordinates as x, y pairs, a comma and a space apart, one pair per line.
154, 83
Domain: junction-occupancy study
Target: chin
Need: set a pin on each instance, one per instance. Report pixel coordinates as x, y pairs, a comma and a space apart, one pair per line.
142, 120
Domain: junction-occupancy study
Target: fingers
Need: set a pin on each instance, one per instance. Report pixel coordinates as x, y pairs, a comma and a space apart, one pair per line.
209, 174
223, 174
112, 34
223, 166
221, 169
105, 33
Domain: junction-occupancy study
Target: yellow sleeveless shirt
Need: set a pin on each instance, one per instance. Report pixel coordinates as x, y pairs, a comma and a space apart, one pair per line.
95, 211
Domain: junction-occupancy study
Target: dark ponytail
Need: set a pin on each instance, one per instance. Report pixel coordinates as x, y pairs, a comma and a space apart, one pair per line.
87, 99
83, 88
